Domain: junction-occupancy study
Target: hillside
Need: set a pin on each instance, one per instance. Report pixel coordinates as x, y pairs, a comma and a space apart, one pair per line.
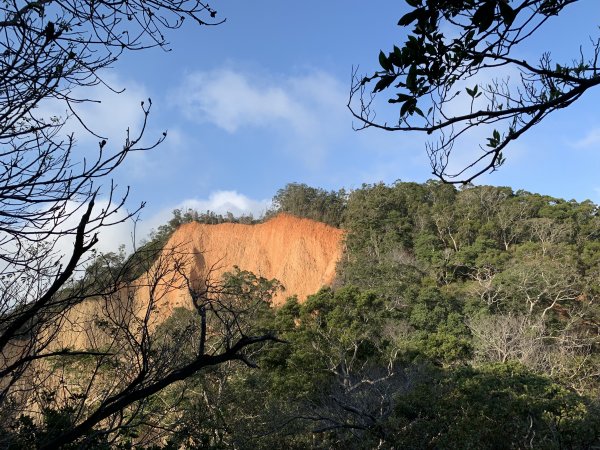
456, 314
300, 253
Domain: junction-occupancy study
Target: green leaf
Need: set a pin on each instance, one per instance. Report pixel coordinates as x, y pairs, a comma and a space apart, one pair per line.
409, 18
484, 16
501, 159
408, 107
469, 36
400, 98
405, 108
384, 62
550, 7
508, 14
411, 78
398, 59
383, 83
473, 92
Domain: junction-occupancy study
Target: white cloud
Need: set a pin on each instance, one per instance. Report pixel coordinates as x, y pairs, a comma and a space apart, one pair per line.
591, 139
306, 113
115, 112
110, 236
223, 202
230, 100
109, 112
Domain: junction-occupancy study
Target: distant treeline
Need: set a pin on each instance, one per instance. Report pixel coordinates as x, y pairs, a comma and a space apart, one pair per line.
311, 203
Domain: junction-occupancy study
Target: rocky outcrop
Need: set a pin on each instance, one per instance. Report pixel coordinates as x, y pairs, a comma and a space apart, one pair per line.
301, 253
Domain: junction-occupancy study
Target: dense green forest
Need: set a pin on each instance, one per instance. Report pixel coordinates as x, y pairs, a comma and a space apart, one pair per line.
460, 318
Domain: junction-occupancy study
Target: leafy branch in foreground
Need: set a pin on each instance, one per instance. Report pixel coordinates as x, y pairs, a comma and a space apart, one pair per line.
458, 70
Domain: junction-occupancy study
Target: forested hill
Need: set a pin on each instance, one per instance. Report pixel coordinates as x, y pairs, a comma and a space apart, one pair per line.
481, 240
435, 232
459, 319
462, 318
482, 273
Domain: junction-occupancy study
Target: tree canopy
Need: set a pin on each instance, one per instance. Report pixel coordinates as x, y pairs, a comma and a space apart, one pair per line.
313, 203
457, 314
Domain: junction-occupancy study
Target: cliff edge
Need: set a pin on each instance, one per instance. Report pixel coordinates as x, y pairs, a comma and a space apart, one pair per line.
300, 253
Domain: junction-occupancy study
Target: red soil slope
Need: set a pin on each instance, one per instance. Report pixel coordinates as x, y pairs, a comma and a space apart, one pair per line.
302, 254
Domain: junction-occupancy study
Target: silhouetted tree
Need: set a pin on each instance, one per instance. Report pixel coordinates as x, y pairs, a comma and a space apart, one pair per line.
50, 52
447, 78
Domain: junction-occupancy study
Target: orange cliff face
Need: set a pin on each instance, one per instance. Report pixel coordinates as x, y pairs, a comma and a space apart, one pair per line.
301, 253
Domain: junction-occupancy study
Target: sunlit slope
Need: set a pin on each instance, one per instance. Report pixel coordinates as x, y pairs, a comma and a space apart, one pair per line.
302, 254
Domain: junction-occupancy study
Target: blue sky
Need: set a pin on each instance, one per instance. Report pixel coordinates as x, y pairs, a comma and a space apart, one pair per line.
260, 101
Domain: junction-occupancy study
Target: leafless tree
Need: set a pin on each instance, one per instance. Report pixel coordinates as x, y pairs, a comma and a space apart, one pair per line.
540, 288
484, 285
542, 317
123, 350
508, 337
548, 231
565, 351
50, 52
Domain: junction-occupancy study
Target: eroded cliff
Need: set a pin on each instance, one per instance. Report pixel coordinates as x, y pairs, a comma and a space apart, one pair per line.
300, 253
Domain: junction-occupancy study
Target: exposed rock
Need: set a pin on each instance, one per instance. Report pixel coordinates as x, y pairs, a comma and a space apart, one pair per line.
300, 253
